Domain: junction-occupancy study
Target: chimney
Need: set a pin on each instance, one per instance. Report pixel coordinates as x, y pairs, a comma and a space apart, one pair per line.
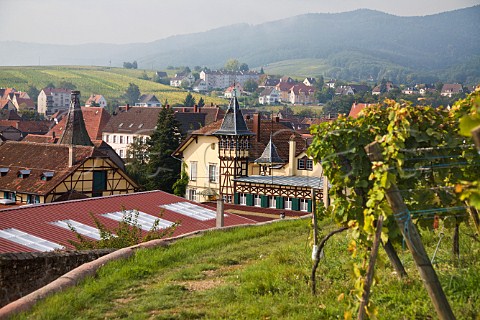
195, 108
220, 213
53, 135
70, 155
277, 119
256, 126
292, 146
127, 107
167, 106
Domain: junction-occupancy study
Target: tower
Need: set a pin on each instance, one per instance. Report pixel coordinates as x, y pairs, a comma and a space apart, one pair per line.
234, 142
75, 132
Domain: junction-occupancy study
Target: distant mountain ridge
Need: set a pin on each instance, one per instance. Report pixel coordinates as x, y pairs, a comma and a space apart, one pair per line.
442, 43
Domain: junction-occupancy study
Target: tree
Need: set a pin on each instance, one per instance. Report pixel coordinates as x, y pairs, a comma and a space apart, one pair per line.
144, 76
126, 234
137, 160
132, 94
243, 67
201, 102
163, 170
134, 65
189, 100
180, 186
250, 85
383, 86
262, 71
66, 85
232, 65
50, 85
33, 92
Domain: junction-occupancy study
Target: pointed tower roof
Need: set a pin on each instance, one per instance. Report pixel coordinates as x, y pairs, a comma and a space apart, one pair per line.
270, 155
233, 123
75, 132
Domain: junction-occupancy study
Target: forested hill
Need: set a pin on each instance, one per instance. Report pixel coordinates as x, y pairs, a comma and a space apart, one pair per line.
365, 42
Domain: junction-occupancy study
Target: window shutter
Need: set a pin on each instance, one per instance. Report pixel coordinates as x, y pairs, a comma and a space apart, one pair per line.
264, 201
309, 203
236, 198
280, 204
296, 204
249, 199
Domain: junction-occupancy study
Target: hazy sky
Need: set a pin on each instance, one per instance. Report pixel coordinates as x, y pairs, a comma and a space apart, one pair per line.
127, 21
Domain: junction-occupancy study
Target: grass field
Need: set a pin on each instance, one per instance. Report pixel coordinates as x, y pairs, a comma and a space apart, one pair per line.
298, 68
110, 82
262, 273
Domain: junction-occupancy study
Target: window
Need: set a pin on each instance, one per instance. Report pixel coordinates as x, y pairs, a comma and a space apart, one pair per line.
107, 137
3, 171
191, 210
28, 240
243, 199
99, 182
288, 203
212, 173
303, 205
121, 139
79, 227
257, 200
301, 164
145, 220
23, 174
309, 164
127, 138
114, 139
192, 194
271, 202
193, 170
121, 153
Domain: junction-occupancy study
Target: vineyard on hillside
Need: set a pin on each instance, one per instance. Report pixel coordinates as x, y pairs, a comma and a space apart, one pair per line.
110, 82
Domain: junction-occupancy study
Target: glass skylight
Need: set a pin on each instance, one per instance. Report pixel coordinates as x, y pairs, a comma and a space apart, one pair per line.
28, 240
145, 220
79, 227
191, 210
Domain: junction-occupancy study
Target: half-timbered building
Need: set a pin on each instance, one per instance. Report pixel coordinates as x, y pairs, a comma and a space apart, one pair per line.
72, 168
250, 162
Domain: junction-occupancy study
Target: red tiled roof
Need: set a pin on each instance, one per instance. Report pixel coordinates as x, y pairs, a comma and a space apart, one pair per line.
357, 108
40, 138
95, 118
35, 219
139, 120
38, 158
39, 126
94, 98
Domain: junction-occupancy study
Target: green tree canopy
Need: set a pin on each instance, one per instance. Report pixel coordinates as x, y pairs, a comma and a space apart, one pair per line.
232, 65
132, 93
33, 92
66, 85
201, 102
250, 85
189, 100
163, 170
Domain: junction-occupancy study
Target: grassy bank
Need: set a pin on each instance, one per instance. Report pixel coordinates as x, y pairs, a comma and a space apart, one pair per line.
261, 273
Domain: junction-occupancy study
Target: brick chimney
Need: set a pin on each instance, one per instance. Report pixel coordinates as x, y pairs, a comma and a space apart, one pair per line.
195, 108
127, 107
277, 119
256, 126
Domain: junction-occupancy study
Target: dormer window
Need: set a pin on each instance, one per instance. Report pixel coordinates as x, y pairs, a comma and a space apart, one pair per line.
23, 174
3, 172
47, 176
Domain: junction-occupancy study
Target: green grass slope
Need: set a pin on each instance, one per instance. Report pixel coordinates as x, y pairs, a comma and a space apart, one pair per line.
110, 82
261, 273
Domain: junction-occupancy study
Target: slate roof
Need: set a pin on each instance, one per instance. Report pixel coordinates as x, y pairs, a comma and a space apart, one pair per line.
296, 181
36, 219
95, 119
270, 155
145, 98
75, 132
233, 123
39, 157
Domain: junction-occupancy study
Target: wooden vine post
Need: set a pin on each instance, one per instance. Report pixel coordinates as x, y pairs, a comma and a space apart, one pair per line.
370, 270
414, 242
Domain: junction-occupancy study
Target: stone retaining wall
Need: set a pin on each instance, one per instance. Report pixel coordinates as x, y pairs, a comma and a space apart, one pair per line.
22, 273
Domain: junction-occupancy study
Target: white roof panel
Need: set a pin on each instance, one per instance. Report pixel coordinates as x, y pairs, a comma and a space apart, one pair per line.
191, 210
28, 240
145, 220
79, 227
